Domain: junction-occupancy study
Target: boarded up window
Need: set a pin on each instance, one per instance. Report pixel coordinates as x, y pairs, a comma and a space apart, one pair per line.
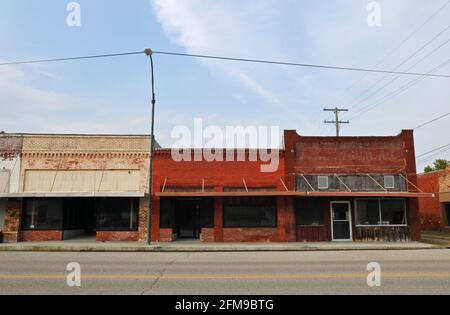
4, 181
82, 181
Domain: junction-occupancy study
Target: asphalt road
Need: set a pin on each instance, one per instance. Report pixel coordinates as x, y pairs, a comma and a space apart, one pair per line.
403, 272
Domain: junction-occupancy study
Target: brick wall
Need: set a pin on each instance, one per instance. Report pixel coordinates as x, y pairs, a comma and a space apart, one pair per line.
215, 174
11, 228
41, 236
349, 155
236, 235
114, 236
430, 208
165, 235
85, 153
208, 235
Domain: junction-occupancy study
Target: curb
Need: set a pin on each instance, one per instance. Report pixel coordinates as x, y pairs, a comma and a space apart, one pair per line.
194, 249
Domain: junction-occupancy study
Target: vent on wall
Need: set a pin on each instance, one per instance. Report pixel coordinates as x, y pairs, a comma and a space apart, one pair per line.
389, 182
322, 182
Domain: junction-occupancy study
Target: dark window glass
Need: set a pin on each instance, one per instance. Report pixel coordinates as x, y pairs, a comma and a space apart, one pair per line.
310, 212
167, 216
206, 215
393, 211
368, 212
42, 214
117, 214
447, 209
251, 216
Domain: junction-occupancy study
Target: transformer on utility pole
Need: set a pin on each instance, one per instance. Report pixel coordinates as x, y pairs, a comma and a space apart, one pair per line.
336, 122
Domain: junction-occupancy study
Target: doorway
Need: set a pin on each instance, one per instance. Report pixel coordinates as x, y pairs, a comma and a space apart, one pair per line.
192, 215
341, 217
188, 217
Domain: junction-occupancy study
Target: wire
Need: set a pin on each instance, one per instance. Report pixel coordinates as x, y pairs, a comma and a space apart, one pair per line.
355, 102
297, 64
226, 59
400, 90
431, 121
70, 58
440, 153
399, 46
434, 150
397, 77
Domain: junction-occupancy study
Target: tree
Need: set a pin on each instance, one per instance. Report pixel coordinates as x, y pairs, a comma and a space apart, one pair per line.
439, 164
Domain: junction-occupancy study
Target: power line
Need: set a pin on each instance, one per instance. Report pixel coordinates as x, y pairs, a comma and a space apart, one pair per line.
282, 63
401, 44
434, 150
402, 89
261, 61
397, 77
71, 58
435, 155
398, 66
431, 121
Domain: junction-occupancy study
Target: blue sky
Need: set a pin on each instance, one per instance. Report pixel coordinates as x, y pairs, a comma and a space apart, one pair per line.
112, 95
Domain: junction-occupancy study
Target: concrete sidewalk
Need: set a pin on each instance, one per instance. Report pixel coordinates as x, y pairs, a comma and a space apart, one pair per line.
210, 247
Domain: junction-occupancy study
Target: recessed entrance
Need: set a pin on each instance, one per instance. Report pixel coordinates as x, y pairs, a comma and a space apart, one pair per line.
187, 216
341, 227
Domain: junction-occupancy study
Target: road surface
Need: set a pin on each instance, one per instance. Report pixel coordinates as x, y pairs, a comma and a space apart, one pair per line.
345, 272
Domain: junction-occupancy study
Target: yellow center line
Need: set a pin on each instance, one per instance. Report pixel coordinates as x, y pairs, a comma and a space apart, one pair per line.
225, 276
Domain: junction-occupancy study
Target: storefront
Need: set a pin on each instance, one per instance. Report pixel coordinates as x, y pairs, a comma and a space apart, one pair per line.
56, 219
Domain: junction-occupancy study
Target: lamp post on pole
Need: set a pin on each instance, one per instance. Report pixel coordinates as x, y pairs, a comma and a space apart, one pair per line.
149, 53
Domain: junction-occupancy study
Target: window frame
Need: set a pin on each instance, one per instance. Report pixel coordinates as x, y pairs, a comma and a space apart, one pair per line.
380, 213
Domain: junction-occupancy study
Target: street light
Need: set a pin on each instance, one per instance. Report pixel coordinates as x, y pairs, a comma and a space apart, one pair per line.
149, 53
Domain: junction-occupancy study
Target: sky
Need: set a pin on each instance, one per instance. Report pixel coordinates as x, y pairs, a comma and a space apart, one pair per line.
112, 95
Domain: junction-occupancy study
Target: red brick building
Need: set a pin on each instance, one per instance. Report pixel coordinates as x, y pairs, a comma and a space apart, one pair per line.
322, 189
326, 189
435, 212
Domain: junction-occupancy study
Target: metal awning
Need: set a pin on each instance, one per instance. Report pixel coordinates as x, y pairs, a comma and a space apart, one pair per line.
296, 194
72, 195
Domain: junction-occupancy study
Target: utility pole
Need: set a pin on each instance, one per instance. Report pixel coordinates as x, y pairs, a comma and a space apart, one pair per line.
336, 122
149, 53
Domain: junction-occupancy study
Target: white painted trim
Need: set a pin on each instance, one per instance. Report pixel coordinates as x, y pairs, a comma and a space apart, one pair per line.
350, 221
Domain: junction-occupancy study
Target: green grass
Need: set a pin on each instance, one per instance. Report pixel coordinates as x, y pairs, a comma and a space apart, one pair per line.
436, 238
436, 234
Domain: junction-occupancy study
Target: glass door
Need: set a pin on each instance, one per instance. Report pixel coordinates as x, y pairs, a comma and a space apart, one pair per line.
341, 226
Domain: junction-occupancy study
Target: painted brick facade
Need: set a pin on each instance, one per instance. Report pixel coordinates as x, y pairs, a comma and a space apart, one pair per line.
219, 176
117, 236
432, 210
354, 155
41, 236
301, 155
11, 229
89, 153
